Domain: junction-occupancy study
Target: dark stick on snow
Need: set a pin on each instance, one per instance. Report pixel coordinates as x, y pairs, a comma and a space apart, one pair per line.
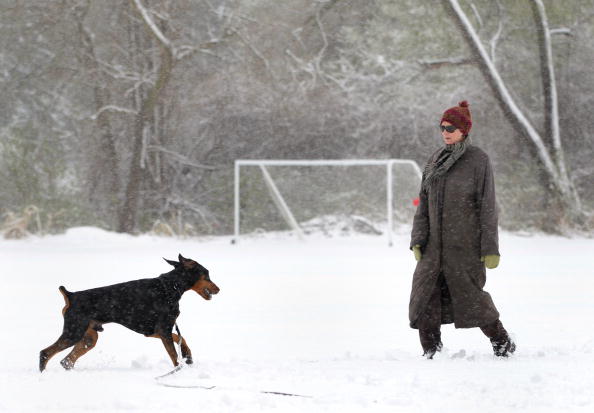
278, 393
181, 386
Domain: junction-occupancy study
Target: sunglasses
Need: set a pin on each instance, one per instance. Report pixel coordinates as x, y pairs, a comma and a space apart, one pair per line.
448, 129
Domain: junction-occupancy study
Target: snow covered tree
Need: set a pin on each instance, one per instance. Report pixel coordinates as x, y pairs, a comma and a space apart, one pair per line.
548, 146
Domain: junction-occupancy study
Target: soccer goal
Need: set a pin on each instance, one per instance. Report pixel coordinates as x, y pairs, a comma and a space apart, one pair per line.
331, 196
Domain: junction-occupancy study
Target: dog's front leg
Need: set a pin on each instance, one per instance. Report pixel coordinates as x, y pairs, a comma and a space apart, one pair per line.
185, 350
167, 340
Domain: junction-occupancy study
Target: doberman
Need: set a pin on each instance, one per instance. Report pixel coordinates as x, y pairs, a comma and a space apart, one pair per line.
148, 306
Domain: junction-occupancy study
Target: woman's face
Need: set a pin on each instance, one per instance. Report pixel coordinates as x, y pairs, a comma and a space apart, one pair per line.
451, 137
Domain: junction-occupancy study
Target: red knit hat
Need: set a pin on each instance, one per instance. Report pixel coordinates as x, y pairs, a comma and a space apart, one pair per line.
459, 116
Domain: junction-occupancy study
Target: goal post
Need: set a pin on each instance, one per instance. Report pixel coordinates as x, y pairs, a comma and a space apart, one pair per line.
285, 209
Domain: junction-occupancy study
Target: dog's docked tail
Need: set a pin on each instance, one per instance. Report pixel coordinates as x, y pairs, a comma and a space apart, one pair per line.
66, 294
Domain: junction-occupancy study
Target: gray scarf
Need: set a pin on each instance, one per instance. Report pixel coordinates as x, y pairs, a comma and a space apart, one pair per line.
444, 161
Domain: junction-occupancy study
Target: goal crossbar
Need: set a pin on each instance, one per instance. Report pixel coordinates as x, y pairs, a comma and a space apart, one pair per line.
262, 163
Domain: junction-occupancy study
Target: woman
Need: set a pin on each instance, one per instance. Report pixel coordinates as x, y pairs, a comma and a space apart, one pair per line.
454, 237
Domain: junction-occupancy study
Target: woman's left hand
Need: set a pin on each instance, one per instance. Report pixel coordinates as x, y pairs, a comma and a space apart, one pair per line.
491, 261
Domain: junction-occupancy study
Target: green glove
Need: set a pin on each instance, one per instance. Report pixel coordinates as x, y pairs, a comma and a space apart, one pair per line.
491, 261
417, 251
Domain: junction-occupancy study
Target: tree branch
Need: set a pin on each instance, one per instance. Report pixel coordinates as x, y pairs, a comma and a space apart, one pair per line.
153, 27
439, 63
180, 158
549, 84
561, 30
112, 108
497, 34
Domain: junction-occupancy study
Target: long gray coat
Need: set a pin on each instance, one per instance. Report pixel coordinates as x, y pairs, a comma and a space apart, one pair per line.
455, 225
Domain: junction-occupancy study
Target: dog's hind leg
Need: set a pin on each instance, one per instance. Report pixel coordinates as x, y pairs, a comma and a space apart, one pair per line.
73, 332
46, 354
81, 348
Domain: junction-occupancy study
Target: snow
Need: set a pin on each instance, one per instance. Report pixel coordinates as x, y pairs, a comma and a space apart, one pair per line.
325, 318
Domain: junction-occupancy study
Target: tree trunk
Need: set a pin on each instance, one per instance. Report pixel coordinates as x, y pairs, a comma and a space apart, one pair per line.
104, 171
551, 102
129, 212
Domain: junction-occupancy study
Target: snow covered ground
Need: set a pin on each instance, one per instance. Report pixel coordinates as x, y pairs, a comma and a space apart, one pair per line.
325, 319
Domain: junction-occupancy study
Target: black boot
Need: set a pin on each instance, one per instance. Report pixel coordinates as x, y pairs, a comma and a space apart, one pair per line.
431, 342
503, 345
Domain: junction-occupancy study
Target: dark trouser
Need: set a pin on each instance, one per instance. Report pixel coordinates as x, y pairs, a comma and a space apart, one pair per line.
502, 343
429, 323
495, 331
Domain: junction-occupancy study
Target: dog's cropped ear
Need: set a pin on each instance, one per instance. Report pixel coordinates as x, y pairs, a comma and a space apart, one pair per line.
174, 263
186, 262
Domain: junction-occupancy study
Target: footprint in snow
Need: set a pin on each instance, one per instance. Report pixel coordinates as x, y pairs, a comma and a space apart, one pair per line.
459, 355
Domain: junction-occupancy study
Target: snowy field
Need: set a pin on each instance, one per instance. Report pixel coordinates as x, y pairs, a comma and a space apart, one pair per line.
326, 319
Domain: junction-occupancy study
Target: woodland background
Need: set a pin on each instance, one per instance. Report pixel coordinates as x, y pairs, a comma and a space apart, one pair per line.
122, 114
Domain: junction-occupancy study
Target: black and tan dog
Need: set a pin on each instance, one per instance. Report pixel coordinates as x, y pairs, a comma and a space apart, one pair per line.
149, 306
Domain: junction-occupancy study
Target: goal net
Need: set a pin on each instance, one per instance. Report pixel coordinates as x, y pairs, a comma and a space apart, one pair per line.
335, 197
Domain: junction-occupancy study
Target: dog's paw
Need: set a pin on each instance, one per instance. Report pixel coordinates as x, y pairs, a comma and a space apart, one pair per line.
43, 358
67, 364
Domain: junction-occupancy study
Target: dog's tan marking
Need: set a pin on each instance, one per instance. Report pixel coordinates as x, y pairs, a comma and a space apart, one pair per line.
81, 348
46, 354
186, 352
202, 284
66, 301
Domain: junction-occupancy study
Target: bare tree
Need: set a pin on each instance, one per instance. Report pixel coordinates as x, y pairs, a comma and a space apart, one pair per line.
148, 111
548, 148
127, 217
104, 174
